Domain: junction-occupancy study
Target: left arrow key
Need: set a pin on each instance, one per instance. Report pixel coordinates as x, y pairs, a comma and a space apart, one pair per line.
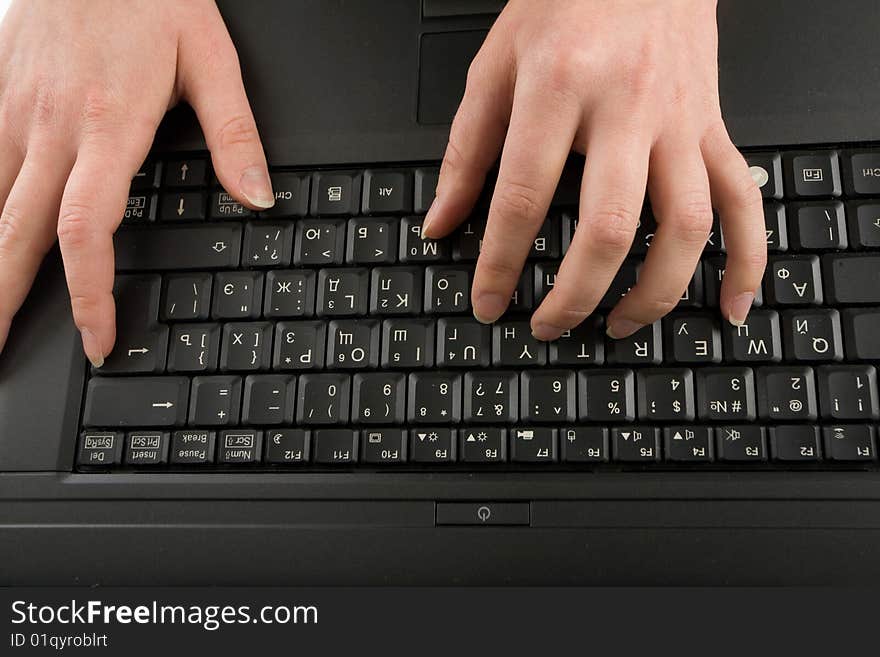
136, 402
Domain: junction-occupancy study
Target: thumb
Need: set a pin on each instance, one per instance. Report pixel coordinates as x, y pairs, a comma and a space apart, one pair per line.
213, 86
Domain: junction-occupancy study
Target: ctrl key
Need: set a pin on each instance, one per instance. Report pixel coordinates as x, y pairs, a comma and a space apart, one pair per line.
100, 449
192, 447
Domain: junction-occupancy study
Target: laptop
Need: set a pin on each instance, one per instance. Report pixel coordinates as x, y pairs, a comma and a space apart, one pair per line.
303, 397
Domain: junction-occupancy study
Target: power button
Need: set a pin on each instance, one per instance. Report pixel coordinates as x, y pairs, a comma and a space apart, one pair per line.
482, 513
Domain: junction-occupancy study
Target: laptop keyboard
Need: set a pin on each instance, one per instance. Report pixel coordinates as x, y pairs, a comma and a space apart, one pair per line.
326, 334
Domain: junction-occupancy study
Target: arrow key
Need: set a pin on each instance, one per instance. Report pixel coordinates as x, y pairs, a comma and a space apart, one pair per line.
136, 402
182, 206
186, 173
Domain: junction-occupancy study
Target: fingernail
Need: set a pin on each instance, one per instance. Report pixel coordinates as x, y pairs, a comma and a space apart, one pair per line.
489, 306
546, 332
92, 348
622, 328
739, 308
429, 219
256, 187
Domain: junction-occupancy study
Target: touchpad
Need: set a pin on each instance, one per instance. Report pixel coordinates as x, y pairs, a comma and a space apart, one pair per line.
444, 58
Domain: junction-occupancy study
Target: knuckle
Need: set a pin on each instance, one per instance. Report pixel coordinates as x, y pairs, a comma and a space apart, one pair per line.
74, 226
453, 159
612, 228
98, 111
44, 104
754, 260
494, 270
238, 130
519, 202
658, 307
83, 307
693, 221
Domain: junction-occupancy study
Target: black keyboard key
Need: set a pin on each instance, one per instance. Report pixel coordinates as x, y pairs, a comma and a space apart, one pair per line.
644, 347
864, 225
787, 394
548, 241
246, 347
523, 297
726, 394
694, 294
136, 402
269, 399
343, 292
852, 279
372, 241
335, 446
776, 227
396, 291
635, 444
624, 281
146, 448
584, 445
288, 446
491, 397
483, 445
689, 444
812, 335
666, 395
323, 399
100, 449
240, 447
223, 206
378, 398
425, 188
766, 170
383, 446
514, 346
267, 245
187, 297
194, 348
414, 249
209, 246
744, 443
545, 279
215, 401
849, 442
812, 174
713, 276
186, 173
407, 343
533, 445
353, 344
463, 342
192, 447
758, 340
468, 239
319, 242
140, 208
387, 191
433, 445
147, 177
606, 396
796, 443
861, 337
693, 339
434, 398
336, 193
141, 342
863, 176
291, 195
237, 295
548, 396
182, 206
848, 392
818, 226
290, 293
447, 289
583, 345
794, 280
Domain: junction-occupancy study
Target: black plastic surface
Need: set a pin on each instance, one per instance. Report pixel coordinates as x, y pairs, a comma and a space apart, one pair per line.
331, 82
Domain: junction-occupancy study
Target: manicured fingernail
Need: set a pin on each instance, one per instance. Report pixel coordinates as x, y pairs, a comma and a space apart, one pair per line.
429, 219
256, 187
622, 328
92, 348
739, 308
489, 306
546, 332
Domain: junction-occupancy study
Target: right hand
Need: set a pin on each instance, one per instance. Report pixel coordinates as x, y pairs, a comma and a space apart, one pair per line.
83, 87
